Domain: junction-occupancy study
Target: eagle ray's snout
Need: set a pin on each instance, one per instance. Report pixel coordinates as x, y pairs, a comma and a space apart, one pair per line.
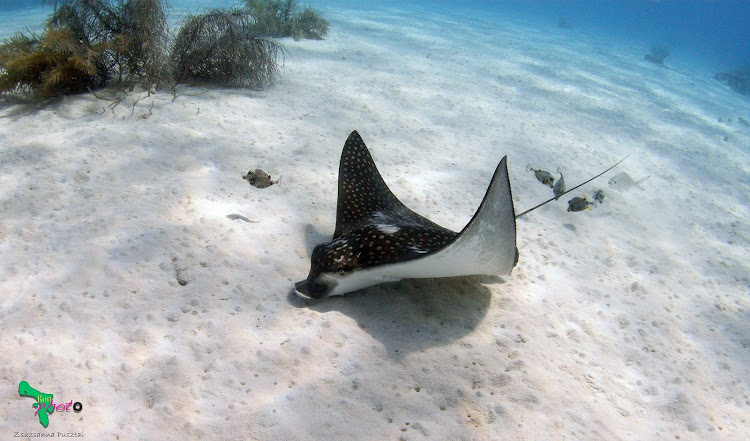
312, 289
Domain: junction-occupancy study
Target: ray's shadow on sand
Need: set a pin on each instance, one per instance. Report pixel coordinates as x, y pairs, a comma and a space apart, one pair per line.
415, 314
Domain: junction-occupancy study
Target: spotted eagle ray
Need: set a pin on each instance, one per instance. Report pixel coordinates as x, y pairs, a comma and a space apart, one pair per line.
378, 239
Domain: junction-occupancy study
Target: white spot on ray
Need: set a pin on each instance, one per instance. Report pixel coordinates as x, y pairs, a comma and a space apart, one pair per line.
387, 228
383, 223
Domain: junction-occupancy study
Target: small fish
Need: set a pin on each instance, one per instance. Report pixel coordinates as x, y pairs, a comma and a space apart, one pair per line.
579, 204
559, 188
242, 218
599, 196
259, 179
542, 176
623, 181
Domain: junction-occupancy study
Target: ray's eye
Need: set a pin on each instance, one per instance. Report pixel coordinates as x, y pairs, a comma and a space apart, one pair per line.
342, 272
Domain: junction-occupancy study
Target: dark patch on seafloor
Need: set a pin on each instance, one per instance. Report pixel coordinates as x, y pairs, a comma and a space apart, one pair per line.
570, 227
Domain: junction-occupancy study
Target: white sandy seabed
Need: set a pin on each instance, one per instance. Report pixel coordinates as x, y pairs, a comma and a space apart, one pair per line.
629, 321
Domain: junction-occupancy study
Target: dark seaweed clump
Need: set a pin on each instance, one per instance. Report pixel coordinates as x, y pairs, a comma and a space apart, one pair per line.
142, 43
659, 53
89, 44
220, 47
52, 64
275, 18
738, 80
133, 34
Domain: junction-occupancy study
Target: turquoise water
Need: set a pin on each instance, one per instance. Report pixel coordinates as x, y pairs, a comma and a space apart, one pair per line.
713, 33
629, 321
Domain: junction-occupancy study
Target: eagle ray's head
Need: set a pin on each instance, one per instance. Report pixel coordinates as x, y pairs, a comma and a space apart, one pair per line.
335, 269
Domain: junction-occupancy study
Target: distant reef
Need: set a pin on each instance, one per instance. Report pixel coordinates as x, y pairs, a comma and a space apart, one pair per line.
738, 80
564, 23
125, 44
659, 52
